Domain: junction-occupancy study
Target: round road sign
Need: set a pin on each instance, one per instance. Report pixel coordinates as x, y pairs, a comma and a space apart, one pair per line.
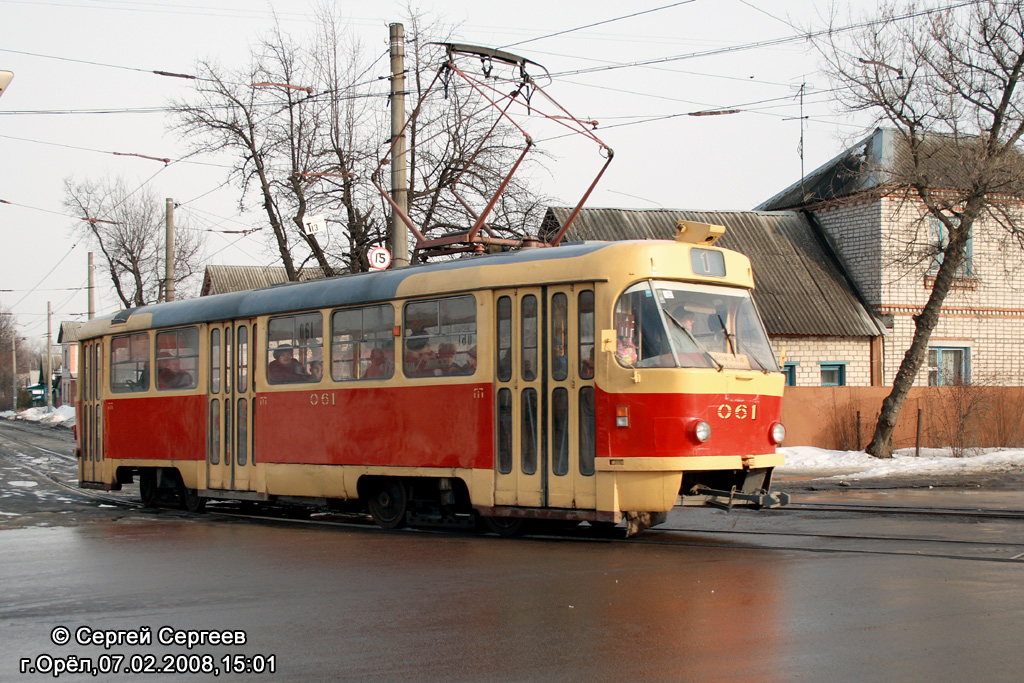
380, 258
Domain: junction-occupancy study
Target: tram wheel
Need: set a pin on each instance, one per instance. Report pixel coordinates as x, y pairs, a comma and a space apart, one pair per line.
147, 488
189, 499
388, 503
506, 526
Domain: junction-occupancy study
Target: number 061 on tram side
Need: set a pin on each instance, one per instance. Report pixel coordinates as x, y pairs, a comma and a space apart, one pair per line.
597, 381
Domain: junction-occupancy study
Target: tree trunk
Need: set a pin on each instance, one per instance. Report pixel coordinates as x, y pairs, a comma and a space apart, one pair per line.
924, 324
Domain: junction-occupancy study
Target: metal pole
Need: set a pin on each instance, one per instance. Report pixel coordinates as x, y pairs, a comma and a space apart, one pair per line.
169, 265
92, 303
49, 360
399, 178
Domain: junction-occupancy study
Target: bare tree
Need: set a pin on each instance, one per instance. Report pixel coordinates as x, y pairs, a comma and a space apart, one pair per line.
949, 83
129, 229
9, 331
308, 125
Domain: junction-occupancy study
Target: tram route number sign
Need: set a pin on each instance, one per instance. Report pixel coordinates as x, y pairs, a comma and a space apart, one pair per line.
313, 224
379, 257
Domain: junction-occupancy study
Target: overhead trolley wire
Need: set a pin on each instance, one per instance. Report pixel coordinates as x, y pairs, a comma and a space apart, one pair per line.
596, 23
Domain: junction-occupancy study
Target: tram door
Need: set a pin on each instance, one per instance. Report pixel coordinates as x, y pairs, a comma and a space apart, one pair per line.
569, 377
90, 461
544, 442
229, 462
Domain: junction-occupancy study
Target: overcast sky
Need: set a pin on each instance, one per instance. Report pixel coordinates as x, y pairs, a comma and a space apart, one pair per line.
83, 71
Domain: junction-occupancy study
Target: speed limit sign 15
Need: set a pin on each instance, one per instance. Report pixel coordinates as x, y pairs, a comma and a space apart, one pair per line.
380, 258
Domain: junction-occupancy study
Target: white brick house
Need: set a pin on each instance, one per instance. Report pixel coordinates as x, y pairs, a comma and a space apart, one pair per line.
886, 243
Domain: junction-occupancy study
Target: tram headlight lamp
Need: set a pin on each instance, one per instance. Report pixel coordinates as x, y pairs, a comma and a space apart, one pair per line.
778, 433
702, 431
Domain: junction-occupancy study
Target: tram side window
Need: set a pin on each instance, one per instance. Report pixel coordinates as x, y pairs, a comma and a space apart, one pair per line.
177, 359
363, 343
586, 333
640, 334
504, 339
440, 337
215, 361
294, 344
129, 363
529, 337
559, 336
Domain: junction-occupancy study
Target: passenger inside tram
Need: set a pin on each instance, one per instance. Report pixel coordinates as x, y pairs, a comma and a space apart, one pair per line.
169, 373
284, 368
316, 371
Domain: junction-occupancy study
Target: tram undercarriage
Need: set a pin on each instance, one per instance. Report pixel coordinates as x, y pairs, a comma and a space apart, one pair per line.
445, 502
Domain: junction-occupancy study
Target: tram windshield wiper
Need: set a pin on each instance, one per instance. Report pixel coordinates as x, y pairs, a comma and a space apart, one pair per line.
731, 336
694, 340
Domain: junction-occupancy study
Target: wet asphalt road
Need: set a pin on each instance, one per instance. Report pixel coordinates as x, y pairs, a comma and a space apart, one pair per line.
771, 596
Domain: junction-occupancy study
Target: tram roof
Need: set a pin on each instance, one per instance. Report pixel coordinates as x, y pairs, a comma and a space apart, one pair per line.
341, 290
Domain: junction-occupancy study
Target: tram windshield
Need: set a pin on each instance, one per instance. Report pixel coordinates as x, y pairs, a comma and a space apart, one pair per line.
664, 324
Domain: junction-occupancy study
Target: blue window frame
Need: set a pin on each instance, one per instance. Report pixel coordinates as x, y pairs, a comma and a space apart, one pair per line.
790, 372
949, 366
833, 374
938, 237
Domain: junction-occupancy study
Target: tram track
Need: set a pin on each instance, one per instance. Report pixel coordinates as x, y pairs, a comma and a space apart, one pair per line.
982, 513
916, 546
1015, 559
663, 537
654, 536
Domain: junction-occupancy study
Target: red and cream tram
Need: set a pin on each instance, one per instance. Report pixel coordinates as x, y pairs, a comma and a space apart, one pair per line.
591, 381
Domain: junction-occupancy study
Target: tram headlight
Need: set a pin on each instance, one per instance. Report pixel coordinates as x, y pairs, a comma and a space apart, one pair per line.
778, 433
702, 431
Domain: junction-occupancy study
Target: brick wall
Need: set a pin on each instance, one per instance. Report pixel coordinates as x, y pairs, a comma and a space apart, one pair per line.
809, 352
883, 242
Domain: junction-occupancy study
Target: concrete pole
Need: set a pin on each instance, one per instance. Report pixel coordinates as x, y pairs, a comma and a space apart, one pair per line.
92, 302
14, 368
49, 360
399, 178
169, 264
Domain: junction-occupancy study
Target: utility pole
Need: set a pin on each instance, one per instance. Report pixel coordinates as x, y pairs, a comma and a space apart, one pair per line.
169, 264
399, 178
92, 302
49, 360
14, 368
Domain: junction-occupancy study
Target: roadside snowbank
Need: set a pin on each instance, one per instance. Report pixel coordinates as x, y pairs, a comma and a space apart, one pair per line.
808, 461
63, 416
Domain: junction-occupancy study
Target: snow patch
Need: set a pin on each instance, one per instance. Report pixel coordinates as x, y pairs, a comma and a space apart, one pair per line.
806, 460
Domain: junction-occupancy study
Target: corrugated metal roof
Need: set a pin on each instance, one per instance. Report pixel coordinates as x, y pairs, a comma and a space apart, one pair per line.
801, 288
68, 332
224, 279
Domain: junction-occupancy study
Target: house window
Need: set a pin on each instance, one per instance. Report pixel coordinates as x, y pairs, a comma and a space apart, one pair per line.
790, 372
948, 366
833, 374
938, 239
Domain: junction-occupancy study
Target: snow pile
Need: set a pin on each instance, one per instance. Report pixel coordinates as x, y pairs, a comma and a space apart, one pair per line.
808, 461
64, 416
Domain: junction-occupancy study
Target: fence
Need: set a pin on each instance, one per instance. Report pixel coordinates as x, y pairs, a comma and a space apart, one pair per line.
844, 418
